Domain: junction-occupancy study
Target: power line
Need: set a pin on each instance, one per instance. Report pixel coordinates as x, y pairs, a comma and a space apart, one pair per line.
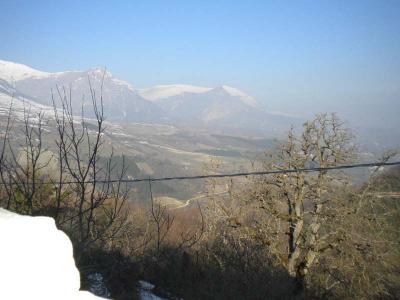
302, 170
242, 174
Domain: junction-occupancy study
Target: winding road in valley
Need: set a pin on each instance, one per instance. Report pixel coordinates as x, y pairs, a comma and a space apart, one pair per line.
189, 201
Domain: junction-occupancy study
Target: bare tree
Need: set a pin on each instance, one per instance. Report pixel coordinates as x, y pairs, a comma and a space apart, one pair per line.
296, 205
98, 199
5, 174
25, 162
162, 220
362, 249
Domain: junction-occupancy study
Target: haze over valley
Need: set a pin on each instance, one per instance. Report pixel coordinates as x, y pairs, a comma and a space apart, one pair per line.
222, 109
175, 129
160, 150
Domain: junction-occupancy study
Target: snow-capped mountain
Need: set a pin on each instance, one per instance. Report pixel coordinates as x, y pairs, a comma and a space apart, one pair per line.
178, 104
12, 72
121, 100
20, 104
161, 92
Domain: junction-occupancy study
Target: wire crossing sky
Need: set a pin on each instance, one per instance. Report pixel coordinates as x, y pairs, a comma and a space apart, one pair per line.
281, 52
231, 175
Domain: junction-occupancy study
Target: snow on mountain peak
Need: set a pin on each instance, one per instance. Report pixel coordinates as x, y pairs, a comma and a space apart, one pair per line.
10, 72
13, 72
123, 83
99, 72
238, 93
159, 92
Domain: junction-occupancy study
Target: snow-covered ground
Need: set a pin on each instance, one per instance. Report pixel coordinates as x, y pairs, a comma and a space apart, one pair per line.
36, 260
145, 293
22, 106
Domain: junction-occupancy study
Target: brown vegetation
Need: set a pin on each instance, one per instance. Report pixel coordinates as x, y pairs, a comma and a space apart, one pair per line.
297, 235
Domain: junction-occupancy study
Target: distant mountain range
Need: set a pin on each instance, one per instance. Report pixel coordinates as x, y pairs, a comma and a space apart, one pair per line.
222, 110
220, 107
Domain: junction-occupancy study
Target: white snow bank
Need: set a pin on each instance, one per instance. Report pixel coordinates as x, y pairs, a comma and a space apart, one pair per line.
145, 291
97, 285
36, 260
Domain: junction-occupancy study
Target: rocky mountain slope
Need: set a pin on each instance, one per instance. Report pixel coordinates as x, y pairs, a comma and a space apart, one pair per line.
220, 107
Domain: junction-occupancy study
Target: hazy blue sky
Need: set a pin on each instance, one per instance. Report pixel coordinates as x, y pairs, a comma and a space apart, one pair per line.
310, 52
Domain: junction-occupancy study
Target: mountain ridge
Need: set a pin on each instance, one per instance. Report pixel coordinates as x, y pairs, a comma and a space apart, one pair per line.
222, 106
13, 72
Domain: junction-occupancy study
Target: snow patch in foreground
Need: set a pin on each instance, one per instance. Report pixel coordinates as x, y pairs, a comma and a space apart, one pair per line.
36, 260
145, 291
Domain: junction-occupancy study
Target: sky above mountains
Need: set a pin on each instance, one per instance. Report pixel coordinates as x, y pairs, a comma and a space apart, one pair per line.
299, 57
